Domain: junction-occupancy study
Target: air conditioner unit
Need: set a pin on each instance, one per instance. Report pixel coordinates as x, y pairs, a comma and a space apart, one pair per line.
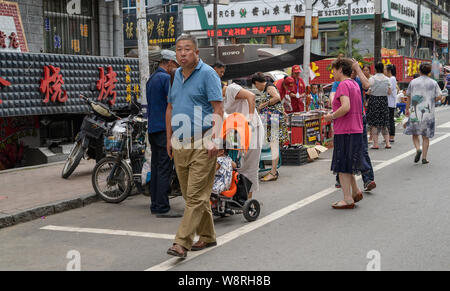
401, 42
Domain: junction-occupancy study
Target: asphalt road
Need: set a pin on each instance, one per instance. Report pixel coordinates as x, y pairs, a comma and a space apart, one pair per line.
401, 225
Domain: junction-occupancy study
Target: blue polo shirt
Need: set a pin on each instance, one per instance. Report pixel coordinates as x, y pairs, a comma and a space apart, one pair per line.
191, 99
357, 80
157, 91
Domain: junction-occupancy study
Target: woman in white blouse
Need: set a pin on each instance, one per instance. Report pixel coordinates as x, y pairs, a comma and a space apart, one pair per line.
377, 108
238, 99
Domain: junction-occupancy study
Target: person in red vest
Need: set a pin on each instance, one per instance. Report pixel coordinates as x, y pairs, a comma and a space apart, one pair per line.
287, 89
300, 89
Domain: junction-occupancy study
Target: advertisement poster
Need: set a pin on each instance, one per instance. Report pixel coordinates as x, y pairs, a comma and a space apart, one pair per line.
425, 21
444, 30
437, 27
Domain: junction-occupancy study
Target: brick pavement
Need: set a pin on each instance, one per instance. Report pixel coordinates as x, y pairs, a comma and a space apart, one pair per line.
42, 188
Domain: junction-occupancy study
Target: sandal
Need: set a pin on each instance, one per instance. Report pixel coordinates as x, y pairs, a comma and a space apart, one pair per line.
374, 148
417, 157
272, 178
388, 147
343, 206
358, 197
177, 251
425, 161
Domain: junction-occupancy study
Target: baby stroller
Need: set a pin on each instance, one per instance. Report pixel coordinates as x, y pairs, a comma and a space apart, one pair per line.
235, 200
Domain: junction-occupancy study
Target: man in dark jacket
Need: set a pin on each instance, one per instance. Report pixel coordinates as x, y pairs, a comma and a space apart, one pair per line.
162, 166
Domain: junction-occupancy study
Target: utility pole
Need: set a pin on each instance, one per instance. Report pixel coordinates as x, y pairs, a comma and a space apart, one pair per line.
349, 30
216, 41
307, 41
116, 28
377, 30
141, 16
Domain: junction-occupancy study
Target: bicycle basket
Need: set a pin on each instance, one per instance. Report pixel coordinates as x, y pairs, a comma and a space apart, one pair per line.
94, 128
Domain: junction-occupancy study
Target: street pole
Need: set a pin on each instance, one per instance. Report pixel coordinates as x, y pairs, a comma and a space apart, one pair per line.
116, 29
307, 45
143, 51
349, 31
216, 41
377, 38
307, 41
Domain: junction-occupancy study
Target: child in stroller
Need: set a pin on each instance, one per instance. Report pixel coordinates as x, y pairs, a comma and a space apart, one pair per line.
224, 172
230, 190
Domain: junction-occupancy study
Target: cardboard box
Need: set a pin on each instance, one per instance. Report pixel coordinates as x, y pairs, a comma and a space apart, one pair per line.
320, 149
312, 154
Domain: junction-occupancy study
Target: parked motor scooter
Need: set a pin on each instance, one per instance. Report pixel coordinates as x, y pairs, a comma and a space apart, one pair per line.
89, 141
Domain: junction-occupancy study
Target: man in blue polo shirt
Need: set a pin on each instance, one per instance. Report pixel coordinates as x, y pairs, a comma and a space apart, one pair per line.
194, 120
162, 166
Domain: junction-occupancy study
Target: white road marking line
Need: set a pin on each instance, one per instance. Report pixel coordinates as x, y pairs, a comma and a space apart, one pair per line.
329, 161
445, 125
171, 263
110, 232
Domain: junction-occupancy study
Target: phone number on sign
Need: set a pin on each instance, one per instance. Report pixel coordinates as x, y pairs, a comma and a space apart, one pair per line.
344, 11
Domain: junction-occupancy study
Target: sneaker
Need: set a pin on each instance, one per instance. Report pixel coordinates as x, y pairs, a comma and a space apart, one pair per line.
369, 186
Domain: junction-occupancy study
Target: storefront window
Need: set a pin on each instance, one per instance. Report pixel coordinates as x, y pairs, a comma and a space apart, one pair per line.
333, 40
69, 29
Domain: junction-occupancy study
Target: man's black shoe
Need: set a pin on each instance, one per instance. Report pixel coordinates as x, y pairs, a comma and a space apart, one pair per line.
169, 214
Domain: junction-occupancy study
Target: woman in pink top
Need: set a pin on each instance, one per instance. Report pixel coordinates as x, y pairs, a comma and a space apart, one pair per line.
348, 134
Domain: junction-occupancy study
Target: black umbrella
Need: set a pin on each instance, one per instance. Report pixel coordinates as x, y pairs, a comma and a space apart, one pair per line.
294, 57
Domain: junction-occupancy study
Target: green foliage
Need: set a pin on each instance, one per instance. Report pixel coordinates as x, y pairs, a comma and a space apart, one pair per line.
343, 30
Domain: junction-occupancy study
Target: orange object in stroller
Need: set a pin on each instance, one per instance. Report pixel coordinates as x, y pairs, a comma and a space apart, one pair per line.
238, 122
235, 200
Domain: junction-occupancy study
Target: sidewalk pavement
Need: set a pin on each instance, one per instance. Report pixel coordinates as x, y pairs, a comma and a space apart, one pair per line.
36, 192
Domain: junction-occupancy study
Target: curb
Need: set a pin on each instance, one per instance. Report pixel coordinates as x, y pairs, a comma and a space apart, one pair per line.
46, 210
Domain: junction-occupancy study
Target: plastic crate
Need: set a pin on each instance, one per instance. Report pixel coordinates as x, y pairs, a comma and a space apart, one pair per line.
294, 156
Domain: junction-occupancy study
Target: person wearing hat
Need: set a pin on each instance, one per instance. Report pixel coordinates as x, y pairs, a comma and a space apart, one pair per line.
161, 165
287, 89
300, 90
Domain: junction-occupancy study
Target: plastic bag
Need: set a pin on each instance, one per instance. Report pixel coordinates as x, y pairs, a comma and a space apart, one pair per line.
287, 103
146, 172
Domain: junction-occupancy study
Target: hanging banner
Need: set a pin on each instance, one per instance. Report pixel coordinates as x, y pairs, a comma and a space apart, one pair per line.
425, 21
444, 34
437, 27
268, 13
162, 29
404, 11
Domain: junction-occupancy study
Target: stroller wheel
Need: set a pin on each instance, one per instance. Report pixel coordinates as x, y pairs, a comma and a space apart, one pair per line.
251, 210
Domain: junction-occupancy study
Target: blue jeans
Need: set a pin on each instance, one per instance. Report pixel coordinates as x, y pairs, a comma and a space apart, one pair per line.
161, 173
367, 176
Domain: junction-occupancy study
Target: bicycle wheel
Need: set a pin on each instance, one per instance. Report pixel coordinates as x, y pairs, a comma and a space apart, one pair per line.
73, 160
112, 188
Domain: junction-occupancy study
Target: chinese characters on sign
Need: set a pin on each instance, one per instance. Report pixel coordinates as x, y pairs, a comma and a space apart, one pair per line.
161, 29
252, 31
52, 85
106, 84
13, 40
412, 67
4, 83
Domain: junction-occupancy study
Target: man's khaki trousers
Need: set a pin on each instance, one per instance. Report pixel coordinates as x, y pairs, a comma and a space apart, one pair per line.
195, 171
